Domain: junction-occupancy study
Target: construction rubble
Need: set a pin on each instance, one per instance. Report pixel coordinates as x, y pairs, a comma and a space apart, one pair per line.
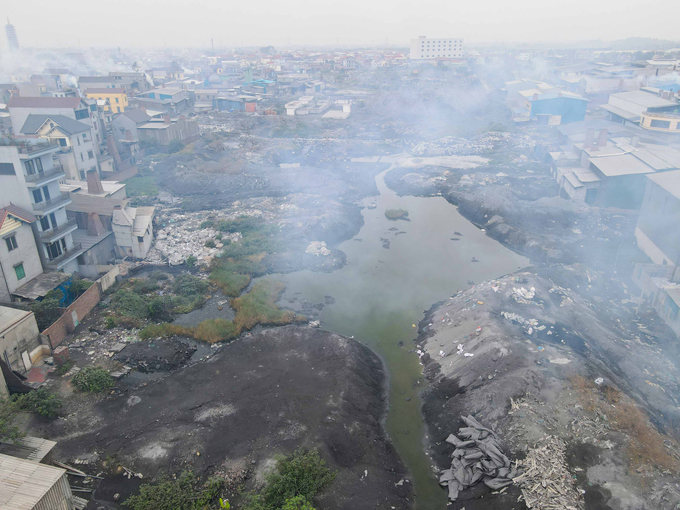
477, 458
546, 483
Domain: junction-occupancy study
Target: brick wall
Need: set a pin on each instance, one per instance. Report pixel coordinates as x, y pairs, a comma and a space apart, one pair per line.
58, 331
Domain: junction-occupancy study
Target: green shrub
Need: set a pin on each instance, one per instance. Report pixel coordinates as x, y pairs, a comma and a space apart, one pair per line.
130, 304
175, 146
110, 322
188, 285
182, 493
93, 380
219, 236
210, 331
41, 401
191, 261
8, 430
160, 308
230, 282
47, 311
64, 367
207, 224
293, 483
156, 276
210, 243
78, 287
143, 286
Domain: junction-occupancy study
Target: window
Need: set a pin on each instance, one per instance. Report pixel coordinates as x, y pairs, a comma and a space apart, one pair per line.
54, 250
62, 142
37, 196
78, 139
46, 192
38, 165
11, 243
665, 124
118, 109
90, 154
140, 239
82, 175
19, 270
82, 158
82, 114
7, 169
84, 136
116, 100
30, 168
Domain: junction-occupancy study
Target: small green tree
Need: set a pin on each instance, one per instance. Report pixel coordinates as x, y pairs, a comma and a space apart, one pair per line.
41, 401
190, 261
175, 146
8, 430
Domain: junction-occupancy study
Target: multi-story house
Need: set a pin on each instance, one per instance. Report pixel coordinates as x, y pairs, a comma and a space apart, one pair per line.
19, 258
116, 96
77, 152
30, 180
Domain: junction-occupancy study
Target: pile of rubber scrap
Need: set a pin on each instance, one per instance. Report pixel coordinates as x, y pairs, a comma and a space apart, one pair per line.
477, 458
546, 482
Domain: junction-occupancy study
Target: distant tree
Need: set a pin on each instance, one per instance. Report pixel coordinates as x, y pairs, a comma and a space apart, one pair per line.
175, 146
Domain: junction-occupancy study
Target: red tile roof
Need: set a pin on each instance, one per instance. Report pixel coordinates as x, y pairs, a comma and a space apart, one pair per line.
17, 212
43, 102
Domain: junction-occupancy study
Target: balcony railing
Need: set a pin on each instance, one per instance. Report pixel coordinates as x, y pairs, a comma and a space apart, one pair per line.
53, 203
34, 148
50, 236
39, 178
76, 250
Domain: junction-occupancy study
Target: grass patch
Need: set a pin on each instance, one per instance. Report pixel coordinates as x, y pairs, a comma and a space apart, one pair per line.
293, 483
181, 493
141, 186
259, 306
646, 445
396, 214
65, 367
225, 276
93, 380
210, 331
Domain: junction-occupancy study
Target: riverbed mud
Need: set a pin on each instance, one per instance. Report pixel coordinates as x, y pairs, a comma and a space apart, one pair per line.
265, 394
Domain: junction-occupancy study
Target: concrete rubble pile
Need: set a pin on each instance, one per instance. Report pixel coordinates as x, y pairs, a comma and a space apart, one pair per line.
477, 458
318, 248
546, 482
181, 236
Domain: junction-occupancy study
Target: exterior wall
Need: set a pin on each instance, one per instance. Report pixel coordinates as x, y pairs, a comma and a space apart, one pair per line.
185, 131
571, 110
117, 101
659, 217
13, 188
20, 114
25, 253
673, 126
58, 331
424, 48
22, 337
59, 497
100, 254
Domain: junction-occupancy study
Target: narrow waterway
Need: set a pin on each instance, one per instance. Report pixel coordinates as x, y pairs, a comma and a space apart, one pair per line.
395, 270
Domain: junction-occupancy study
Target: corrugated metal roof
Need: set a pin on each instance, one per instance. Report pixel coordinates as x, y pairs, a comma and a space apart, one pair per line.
23, 483
621, 112
669, 181
625, 164
29, 448
585, 175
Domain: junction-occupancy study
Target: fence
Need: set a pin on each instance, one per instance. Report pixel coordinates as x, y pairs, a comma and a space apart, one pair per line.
77, 310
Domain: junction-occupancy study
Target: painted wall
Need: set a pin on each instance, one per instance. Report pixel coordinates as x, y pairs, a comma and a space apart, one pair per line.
571, 110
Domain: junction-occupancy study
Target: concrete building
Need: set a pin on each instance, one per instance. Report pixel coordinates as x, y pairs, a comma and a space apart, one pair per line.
124, 127
19, 258
77, 153
133, 228
656, 230
554, 106
424, 48
34, 186
179, 99
20, 344
117, 98
659, 109
167, 129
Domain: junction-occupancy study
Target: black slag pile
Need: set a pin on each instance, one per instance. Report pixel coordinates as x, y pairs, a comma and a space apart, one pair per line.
477, 458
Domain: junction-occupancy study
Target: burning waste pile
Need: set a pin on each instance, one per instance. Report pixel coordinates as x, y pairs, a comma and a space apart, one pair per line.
477, 458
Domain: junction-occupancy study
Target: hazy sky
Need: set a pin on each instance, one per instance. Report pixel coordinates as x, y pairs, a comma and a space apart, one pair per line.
44, 23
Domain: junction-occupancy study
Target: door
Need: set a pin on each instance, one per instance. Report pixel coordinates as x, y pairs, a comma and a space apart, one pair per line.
26, 359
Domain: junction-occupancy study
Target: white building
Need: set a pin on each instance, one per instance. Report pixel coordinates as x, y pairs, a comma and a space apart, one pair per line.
425, 48
30, 180
133, 228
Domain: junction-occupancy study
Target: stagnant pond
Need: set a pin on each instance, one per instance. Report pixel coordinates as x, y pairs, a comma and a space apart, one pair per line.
395, 270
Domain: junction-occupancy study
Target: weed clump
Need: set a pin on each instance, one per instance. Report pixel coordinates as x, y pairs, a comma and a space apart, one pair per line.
181, 493
396, 214
293, 483
93, 380
259, 306
41, 402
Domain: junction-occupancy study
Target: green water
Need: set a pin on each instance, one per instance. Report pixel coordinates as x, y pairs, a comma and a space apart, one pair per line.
381, 293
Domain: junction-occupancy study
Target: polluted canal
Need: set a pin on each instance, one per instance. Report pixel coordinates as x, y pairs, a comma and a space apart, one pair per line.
395, 270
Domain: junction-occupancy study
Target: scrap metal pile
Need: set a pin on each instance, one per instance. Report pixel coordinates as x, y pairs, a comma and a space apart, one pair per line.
477, 458
546, 482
